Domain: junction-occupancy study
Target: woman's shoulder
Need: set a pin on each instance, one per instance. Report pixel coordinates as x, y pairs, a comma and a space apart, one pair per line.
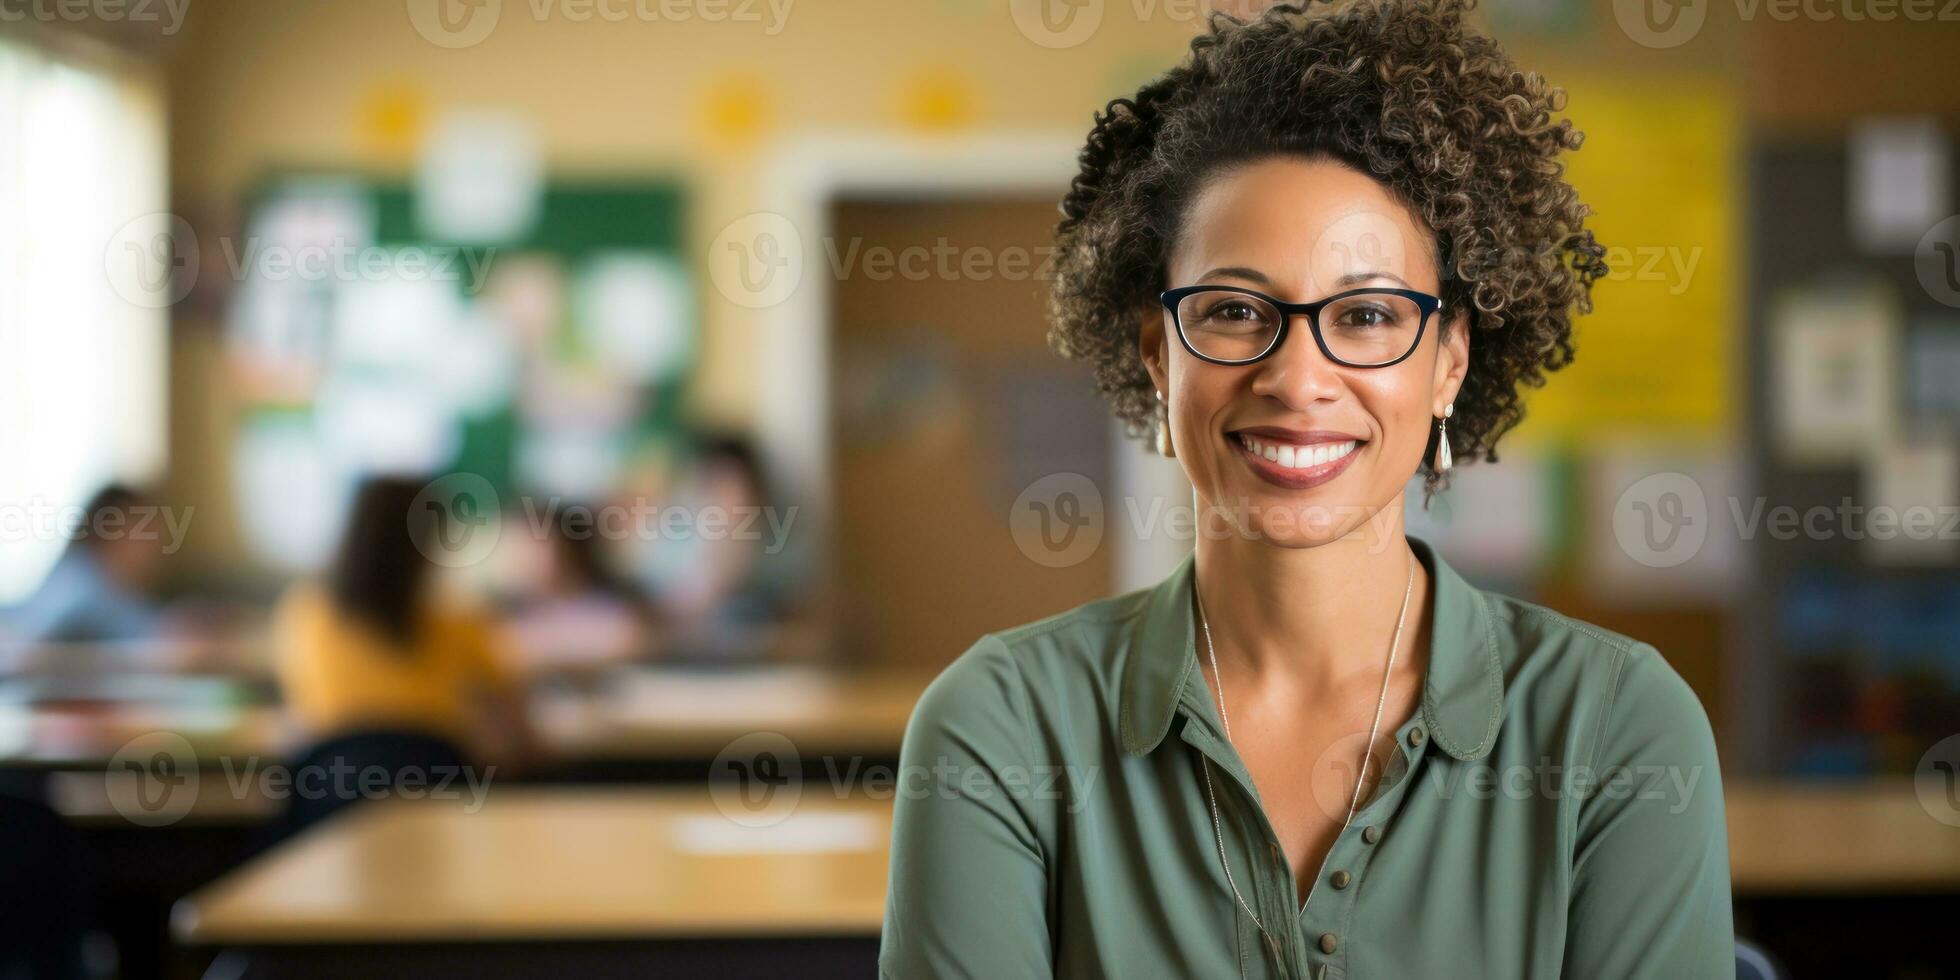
1621, 693
1011, 675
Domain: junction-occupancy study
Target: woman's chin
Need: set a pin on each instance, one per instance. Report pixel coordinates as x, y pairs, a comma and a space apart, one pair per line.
1284, 518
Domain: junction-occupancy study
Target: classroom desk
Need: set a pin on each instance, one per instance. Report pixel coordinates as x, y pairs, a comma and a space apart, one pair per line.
87, 735
1842, 880
674, 713
1838, 839
539, 881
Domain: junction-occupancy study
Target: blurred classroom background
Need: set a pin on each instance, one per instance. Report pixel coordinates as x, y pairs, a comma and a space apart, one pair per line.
687, 359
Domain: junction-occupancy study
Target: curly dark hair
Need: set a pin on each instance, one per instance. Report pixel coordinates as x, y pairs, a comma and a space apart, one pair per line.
1401, 90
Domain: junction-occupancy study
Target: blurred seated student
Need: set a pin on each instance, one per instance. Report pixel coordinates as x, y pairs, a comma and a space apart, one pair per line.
575, 611
720, 591
102, 591
377, 647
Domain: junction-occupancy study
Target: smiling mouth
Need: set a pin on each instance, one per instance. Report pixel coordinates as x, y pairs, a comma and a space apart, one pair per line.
1294, 457
1296, 465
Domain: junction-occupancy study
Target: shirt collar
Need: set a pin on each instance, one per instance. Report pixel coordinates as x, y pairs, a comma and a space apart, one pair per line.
1462, 693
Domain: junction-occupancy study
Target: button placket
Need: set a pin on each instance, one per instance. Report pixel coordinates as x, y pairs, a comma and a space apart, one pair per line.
1324, 930
1242, 819
1330, 903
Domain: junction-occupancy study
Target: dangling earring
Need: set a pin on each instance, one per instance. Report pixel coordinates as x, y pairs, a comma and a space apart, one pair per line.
1443, 460
1164, 447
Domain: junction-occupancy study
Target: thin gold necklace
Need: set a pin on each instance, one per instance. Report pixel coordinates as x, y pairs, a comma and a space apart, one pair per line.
1367, 749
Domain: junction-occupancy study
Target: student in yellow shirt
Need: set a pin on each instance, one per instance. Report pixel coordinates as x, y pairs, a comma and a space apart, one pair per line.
375, 649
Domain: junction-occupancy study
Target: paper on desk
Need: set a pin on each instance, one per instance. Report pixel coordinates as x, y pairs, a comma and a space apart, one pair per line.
758, 698
798, 833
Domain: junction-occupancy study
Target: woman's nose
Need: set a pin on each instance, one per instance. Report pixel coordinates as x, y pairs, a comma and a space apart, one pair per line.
1298, 374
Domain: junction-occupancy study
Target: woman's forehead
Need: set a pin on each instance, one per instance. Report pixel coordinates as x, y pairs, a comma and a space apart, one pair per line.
1306, 226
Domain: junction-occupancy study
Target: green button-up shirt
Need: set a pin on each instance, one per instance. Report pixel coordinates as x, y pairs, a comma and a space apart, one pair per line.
1555, 809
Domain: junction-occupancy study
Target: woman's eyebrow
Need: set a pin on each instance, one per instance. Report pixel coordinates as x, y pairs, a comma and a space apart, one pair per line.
1237, 272
1357, 278
1254, 275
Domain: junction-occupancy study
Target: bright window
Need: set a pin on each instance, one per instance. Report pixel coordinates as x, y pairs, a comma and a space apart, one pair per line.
82, 362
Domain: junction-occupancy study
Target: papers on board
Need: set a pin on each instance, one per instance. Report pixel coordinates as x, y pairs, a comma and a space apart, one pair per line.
1912, 492
1834, 359
1898, 182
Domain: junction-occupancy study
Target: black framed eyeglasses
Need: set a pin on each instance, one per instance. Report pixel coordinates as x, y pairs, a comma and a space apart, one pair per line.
1365, 328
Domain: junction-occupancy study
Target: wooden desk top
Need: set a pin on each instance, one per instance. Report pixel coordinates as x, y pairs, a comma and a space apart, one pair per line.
537, 864
671, 713
582, 864
1864, 837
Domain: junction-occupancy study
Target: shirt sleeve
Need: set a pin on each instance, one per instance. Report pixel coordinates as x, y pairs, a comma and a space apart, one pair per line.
1650, 876
483, 648
968, 890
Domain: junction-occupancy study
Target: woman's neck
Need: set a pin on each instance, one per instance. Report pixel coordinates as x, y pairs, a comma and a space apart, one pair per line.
1323, 613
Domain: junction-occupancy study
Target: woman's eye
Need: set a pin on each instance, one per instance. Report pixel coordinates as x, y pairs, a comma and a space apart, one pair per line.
1235, 312
1366, 316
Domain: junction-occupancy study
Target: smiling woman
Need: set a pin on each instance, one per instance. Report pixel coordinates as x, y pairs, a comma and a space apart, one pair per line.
1322, 255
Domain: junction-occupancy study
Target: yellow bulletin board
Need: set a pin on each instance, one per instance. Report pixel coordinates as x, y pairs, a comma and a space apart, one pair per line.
1656, 357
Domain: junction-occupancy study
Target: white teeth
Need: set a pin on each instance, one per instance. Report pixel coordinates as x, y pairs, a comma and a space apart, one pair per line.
1299, 457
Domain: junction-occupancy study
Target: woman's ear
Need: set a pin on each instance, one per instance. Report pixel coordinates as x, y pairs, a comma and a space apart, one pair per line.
1452, 361
1152, 346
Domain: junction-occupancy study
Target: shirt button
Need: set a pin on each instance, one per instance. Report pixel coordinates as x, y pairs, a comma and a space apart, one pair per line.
1369, 835
1416, 736
1341, 879
1328, 943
